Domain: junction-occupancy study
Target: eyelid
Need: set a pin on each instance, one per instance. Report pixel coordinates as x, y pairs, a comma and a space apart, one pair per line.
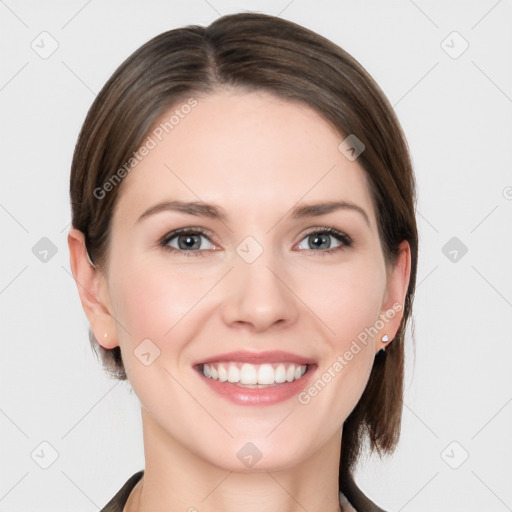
326, 229
176, 232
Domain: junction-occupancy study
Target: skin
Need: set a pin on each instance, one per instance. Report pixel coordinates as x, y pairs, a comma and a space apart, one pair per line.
256, 156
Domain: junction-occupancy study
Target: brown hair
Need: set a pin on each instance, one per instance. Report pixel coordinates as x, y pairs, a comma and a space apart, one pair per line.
258, 52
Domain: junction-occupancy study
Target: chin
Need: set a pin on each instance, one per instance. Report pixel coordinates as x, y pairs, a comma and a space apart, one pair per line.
255, 454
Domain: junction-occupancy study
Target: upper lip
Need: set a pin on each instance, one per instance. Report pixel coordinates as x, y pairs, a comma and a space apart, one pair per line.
243, 356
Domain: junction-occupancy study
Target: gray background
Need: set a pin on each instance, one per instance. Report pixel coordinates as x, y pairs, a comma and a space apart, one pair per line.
455, 108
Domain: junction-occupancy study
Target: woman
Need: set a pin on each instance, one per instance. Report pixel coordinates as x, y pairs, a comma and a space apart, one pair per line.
245, 248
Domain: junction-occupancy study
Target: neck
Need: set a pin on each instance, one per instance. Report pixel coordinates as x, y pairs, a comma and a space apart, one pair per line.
176, 479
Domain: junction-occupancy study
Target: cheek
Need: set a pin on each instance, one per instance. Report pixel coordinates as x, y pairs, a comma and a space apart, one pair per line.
151, 300
155, 304
346, 298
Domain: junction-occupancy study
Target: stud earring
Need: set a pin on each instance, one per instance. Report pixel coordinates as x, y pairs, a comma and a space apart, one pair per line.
385, 339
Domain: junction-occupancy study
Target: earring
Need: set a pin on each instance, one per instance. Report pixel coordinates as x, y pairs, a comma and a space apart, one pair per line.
385, 339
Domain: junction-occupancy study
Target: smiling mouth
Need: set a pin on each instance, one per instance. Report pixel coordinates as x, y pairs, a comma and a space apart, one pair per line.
253, 375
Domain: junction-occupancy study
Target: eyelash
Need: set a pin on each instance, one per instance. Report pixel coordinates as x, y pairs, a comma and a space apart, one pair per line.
341, 237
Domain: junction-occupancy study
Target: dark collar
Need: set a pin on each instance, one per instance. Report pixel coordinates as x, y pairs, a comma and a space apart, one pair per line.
356, 497
117, 503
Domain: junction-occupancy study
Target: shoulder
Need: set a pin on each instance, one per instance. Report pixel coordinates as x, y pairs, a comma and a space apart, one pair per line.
116, 504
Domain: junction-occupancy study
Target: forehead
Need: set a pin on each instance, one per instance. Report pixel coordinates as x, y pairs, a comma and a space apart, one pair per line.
248, 151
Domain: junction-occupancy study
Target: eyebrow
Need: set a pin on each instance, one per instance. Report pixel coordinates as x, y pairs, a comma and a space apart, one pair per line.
212, 211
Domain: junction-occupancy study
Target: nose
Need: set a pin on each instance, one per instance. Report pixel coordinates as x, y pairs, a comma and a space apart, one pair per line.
259, 295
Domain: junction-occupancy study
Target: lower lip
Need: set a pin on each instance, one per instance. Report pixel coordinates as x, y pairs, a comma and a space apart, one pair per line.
260, 396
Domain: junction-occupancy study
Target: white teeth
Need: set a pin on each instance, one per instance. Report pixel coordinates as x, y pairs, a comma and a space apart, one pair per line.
250, 375
280, 374
265, 374
233, 374
222, 373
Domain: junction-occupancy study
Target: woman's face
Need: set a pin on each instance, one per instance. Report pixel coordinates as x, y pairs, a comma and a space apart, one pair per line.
259, 279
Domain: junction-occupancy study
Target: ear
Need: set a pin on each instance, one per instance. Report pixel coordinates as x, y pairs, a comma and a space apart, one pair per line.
93, 291
392, 310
